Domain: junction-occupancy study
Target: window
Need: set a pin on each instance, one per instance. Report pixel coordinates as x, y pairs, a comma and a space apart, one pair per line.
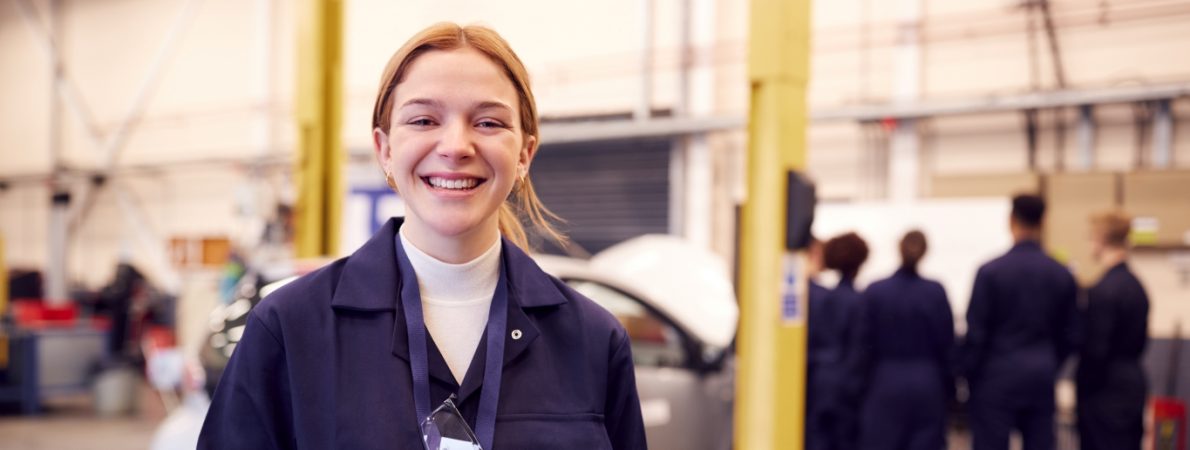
655, 343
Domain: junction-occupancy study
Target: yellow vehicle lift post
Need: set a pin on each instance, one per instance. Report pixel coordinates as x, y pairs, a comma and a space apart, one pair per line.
771, 379
319, 119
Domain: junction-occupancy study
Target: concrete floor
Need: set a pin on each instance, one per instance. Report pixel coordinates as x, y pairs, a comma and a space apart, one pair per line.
71, 423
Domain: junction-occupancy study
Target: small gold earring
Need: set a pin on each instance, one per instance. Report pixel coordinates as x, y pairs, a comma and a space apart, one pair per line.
519, 184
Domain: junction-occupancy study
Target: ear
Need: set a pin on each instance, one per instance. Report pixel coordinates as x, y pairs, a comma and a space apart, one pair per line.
380, 146
528, 151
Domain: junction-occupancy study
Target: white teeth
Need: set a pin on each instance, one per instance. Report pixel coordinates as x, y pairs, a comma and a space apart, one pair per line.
456, 184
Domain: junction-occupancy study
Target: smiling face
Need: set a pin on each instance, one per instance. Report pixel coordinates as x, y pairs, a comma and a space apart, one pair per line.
455, 148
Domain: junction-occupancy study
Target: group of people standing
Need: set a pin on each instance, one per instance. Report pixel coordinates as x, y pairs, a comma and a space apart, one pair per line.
883, 363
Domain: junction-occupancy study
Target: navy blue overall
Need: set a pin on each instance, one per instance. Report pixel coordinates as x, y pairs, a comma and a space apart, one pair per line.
1112, 388
905, 360
324, 363
830, 409
1020, 329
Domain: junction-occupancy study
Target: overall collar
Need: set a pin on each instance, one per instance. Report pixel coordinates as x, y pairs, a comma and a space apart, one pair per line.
847, 282
375, 279
1121, 266
1027, 244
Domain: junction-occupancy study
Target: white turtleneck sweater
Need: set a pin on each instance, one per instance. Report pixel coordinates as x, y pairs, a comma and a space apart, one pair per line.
455, 300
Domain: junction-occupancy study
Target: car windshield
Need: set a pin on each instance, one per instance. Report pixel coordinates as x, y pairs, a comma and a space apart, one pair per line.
655, 343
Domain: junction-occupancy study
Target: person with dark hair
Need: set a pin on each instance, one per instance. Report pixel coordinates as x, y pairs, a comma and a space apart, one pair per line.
1111, 381
117, 299
904, 355
830, 421
845, 253
1028, 211
1020, 328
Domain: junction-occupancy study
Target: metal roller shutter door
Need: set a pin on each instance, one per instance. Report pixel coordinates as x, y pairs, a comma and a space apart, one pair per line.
606, 191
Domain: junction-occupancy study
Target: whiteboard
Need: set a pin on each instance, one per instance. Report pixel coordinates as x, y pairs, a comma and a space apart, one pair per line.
963, 234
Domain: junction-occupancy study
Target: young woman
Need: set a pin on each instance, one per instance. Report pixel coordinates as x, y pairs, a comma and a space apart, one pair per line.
904, 358
444, 303
830, 414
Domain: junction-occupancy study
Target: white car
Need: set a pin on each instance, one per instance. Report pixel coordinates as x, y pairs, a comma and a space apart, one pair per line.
678, 305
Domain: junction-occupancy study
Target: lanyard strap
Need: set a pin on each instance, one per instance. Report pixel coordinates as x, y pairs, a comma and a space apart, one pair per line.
415, 325
489, 397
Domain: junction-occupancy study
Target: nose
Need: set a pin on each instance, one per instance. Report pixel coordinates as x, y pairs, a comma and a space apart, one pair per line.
456, 143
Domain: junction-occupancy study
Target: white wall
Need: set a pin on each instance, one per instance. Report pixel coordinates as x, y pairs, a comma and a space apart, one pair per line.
963, 235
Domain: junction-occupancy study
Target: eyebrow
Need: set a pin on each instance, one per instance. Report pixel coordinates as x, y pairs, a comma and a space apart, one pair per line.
493, 104
487, 104
424, 102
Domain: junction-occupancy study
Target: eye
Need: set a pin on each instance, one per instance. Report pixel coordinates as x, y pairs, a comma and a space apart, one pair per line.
421, 122
489, 123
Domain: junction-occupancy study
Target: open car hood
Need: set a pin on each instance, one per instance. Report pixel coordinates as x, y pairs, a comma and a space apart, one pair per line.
689, 284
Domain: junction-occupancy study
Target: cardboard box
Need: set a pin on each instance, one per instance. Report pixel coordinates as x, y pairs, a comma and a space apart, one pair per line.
1160, 201
195, 252
216, 251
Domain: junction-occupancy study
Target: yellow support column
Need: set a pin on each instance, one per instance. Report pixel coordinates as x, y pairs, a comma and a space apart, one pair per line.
770, 399
319, 119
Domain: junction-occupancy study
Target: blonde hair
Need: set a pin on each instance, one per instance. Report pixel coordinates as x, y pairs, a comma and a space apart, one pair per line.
523, 204
1112, 226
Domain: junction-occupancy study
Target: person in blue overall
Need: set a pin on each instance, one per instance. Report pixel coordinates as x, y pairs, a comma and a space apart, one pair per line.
905, 357
443, 303
1112, 388
830, 421
1020, 329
